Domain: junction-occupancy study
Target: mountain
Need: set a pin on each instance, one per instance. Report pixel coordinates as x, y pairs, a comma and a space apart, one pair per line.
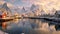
37, 10
23, 10
6, 7
34, 8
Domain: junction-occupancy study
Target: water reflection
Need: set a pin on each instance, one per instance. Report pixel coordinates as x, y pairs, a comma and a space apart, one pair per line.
29, 26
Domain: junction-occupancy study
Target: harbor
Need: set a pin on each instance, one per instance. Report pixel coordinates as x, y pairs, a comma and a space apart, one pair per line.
29, 17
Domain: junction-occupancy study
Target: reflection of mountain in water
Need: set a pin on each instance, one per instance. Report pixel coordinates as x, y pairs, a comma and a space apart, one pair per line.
28, 25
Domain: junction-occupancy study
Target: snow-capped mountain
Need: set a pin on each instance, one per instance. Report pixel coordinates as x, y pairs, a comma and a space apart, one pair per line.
37, 10
23, 10
34, 8
6, 7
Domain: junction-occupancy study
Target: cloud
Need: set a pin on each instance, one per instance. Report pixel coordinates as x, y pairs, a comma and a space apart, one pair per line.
1, 2
8, 4
46, 4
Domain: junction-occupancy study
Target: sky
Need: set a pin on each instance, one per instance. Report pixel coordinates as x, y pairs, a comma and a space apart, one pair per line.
46, 4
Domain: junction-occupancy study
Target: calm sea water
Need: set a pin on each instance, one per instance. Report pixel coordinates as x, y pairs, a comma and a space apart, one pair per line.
29, 26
